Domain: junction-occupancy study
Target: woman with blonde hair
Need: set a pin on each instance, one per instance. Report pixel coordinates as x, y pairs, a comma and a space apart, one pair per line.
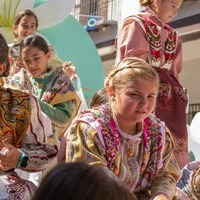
124, 136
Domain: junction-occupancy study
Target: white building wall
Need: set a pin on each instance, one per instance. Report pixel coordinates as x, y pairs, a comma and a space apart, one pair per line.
190, 74
128, 7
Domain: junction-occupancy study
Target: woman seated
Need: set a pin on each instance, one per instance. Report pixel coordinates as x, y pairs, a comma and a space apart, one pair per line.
124, 135
22, 137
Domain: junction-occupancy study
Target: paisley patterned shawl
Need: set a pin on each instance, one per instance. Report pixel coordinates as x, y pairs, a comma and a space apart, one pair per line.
60, 90
109, 136
153, 34
59, 84
15, 111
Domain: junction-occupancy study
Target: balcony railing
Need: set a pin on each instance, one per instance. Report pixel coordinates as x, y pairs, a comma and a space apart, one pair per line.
103, 9
193, 109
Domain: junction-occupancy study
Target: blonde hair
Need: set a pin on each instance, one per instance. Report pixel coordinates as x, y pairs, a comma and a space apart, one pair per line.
20, 15
146, 3
127, 72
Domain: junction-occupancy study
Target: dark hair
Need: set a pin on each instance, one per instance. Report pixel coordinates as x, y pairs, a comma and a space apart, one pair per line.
15, 51
99, 98
74, 181
4, 55
34, 41
23, 13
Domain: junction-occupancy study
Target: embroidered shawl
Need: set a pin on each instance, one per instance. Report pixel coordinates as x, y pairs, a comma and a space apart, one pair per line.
153, 33
15, 111
102, 121
59, 90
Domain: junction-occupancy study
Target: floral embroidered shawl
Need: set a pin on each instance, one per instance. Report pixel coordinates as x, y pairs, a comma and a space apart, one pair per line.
15, 111
102, 121
152, 31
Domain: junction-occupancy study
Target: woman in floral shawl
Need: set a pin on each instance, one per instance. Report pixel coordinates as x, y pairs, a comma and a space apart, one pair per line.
125, 137
22, 137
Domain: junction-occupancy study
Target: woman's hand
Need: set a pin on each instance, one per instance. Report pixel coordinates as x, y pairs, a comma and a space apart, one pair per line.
9, 158
70, 71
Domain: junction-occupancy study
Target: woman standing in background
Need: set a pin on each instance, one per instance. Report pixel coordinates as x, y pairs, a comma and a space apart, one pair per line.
147, 36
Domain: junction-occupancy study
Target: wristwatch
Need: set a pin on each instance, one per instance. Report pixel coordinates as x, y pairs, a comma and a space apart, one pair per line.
23, 160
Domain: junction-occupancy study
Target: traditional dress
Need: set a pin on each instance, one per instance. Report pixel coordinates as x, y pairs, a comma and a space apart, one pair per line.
147, 37
57, 98
56, 94
190, 180
23, 126
143, 162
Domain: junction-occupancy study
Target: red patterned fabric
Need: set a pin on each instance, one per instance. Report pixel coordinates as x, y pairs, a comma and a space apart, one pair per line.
153, 33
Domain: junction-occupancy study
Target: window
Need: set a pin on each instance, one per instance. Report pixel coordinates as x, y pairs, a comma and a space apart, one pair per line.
104, 9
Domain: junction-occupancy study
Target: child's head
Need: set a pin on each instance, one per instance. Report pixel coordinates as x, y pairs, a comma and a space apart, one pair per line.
99, 98
132, 88
16, 63
165, 9
35, 54
4, 63
82, 181
25, 23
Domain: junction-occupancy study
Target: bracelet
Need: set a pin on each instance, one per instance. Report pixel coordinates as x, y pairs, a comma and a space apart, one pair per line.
23, 159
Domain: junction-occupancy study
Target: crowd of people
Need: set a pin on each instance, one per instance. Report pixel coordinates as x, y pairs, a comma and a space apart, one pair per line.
125, 146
